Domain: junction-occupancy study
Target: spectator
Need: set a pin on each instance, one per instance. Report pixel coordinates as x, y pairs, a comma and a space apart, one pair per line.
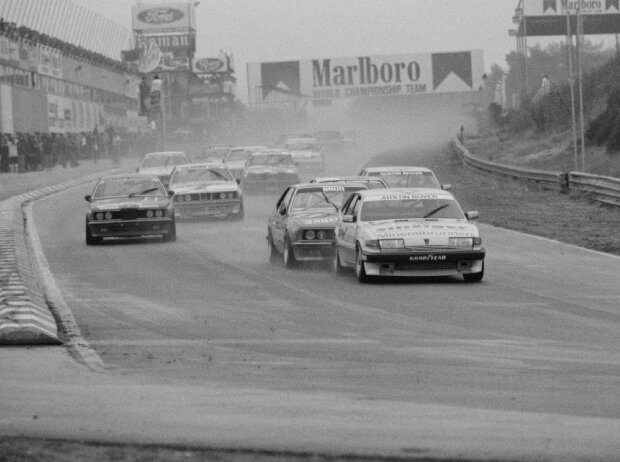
4, 154
12, 147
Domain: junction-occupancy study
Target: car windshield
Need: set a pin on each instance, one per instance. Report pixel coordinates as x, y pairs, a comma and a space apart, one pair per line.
408, 179
238, 154
321, 197
188, 175
302, 146
128, 186
403, 209
271, 159
163, 161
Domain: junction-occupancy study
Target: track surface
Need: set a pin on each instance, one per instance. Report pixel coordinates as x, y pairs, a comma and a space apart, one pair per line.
209, 344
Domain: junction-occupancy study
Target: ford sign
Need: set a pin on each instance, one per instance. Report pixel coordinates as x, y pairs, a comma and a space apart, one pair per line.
158, 16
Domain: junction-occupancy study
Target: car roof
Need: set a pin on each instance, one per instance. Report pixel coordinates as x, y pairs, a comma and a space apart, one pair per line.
130, 175
397, 168
247, 148
201, 165
395, 191
268, 152
164, 153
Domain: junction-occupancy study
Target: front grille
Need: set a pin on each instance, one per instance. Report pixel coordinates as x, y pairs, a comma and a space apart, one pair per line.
206, 196
425, 265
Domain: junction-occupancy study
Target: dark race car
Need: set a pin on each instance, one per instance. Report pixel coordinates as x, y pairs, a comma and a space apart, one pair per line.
269, 171
130, 205
301, 227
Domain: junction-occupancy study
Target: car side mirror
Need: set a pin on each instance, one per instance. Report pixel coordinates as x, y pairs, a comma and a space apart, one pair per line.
87, 197
170, 193
446, 187
349, 218
238, 180
473, 215
282, 209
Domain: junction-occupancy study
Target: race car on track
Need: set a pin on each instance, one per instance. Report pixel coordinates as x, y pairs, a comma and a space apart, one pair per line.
406, 177
307, 153
407, 232
237, 158
162, 163
270, 170
370, 181
129, 205
206, 190
301, 227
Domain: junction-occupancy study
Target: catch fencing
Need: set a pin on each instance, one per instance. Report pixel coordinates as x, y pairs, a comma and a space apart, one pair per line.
603, 189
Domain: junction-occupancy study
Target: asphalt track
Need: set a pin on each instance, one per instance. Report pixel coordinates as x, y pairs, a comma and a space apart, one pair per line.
205, 344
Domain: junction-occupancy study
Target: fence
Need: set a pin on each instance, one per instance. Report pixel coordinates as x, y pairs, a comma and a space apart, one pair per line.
603, 189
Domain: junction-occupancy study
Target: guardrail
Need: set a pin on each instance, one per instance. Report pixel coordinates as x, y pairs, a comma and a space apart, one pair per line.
604, 189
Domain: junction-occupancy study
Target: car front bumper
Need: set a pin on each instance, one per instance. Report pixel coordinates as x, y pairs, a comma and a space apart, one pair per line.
197, 209
130, 228
313, 250
450, 263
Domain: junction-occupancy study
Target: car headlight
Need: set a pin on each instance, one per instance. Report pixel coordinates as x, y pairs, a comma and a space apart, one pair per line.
374, 243
321, 235
223, 195
461, 242
187, 198
309, 235
99, 216
149, 214
108, 215
159, 213
391, 243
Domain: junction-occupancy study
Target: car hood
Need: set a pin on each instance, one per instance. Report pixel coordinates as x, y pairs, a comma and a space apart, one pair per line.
416, 232
236, 164
204, 186
138, 202
271, 170
316, 217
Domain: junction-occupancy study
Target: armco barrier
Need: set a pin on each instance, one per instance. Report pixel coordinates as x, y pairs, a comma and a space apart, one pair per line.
24, 315
604, 189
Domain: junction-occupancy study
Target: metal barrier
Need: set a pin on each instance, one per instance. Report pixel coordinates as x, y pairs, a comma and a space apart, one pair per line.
603, 188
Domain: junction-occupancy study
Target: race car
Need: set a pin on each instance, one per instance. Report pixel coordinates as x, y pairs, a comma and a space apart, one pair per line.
205, 190
307, 153
406, 177
370, 181
237, 158
162, 163
407, 232
270, 170
301, 226
129, 205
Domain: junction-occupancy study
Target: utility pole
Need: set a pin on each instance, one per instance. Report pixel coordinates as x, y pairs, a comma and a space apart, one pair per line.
571, 82
580, 76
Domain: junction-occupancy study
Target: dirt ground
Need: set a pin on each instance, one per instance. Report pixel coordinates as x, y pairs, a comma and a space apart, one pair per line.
571, 218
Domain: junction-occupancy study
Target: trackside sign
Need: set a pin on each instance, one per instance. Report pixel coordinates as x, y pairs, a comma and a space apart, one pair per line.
361, 76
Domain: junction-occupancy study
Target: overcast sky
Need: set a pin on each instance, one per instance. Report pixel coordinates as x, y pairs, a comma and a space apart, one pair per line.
279, 30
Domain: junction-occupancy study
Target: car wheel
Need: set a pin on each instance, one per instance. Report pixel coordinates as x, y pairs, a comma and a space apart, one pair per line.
474, 277
90, 239
172, 234
360, 270
289, 255
241, 213
336, 264
271, 250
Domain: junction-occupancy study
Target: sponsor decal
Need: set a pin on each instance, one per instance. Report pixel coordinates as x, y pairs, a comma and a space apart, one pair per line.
317, 221
402, 173
280, 77
404, 234
333, 189
446, 64
427, 258
400, 197
210, 65
159, 16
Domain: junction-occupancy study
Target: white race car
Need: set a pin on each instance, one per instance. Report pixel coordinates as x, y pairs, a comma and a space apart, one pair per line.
307, 153
406, 177
407, 232
162, 163
205, 190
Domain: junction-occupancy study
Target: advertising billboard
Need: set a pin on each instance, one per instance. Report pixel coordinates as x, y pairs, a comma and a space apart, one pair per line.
368, 76
154, 59
160, 17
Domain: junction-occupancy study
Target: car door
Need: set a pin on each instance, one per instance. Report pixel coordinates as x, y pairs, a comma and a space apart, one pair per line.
347, 231
277, 222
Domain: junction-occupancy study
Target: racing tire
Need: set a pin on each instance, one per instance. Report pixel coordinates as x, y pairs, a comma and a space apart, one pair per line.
336, 265
474, 277
172, 234
241, 213
288, 255
360, 270
90, 239
272, 253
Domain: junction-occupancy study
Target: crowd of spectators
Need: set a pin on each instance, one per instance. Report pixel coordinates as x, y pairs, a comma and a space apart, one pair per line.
30, 152
15, 32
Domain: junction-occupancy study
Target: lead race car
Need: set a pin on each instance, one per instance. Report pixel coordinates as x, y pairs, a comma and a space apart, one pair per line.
407, 232
131, 205
162, 163
301, 227
206, 190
